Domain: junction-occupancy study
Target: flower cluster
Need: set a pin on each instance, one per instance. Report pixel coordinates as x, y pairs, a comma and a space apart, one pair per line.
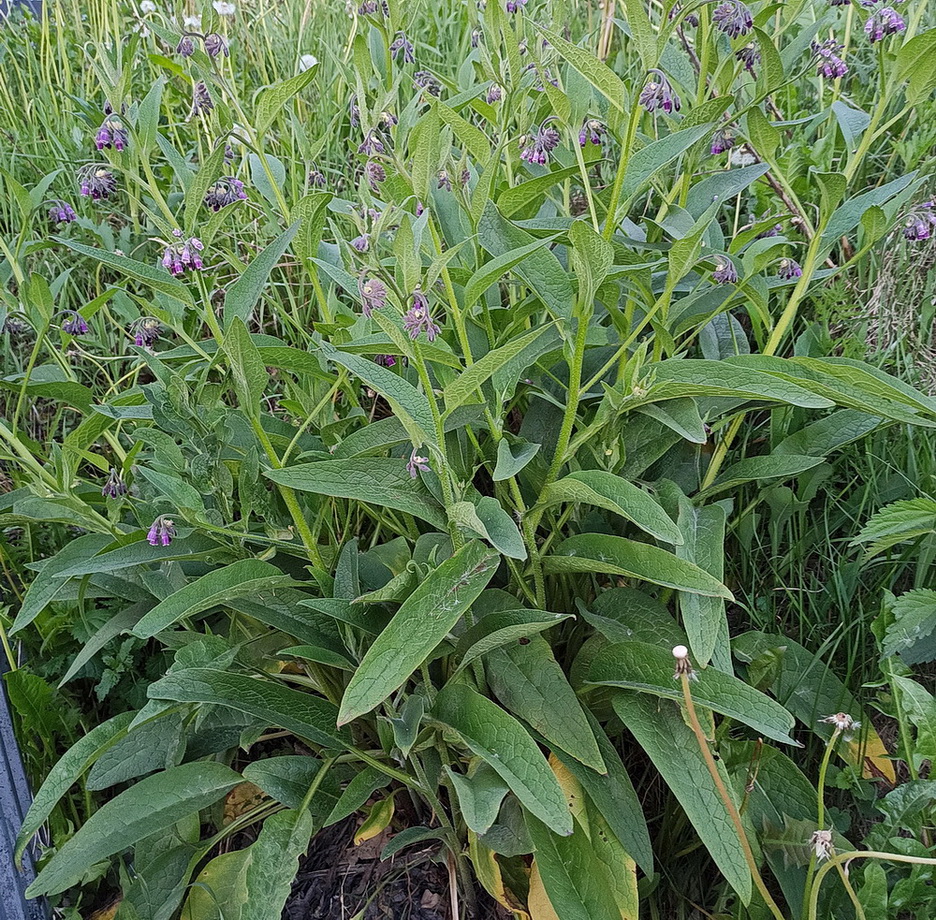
373, 293
145, 332
725, 271
74, 323
60, 212
114, 486
97, 182
919, 223
225, 191
402, 45
733, 18
183, 254
830, 66
659, 94
111, 134
723, 140
591, 131
536, 147
161, 532
883, 23
788, 269
750, 56
418, 319
417, 465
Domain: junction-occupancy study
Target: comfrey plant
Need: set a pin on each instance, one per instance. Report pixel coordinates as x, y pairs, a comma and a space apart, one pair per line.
419, 495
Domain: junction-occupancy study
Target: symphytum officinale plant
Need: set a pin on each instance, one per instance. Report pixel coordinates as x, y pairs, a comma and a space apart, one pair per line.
394, 406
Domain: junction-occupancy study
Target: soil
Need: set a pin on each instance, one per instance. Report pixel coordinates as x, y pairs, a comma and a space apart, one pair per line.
340, 881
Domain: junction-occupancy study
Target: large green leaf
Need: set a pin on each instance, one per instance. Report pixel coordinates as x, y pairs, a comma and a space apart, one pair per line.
527, 679
140, 552
640, 666
247, 367
756, 469
376, 480
916, 64
602, 77
598, 552
273, 98
244, 578
645, 163
304, 714
69, 767
421, 623
500, 627
674, 750
605, 490
241, 297
149, 806
500, 740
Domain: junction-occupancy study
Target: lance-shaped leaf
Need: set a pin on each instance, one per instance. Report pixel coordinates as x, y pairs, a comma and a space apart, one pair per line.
153, 804
500, 740
241, 297
421, 623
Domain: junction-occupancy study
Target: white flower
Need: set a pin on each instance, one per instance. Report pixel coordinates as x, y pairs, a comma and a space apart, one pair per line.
142, 29
224, 7
147, 7
821, 842
192, 23
844, 724
741, 156
307, 62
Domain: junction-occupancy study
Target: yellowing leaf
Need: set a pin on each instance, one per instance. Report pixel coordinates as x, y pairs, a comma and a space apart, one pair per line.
489, 874
241, 799
538, 901
107, 913
572, 790
376, 822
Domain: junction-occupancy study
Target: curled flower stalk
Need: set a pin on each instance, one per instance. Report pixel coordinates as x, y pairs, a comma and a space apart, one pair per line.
658, 94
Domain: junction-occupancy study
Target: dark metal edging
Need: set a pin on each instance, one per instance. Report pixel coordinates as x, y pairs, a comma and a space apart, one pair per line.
14, 801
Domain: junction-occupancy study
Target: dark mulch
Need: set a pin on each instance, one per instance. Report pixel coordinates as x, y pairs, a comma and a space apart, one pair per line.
337, 880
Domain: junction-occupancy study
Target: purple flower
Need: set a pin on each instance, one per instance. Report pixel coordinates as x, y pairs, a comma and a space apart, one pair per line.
316, 177
444, 181
215, 45
114, 486
919, 222
361, 243
690, 18
725, 272
514, 6
425, 80
97, 182
375, 175
111, 134
372, 7
186, 46
494, 94
722, 140
389, 119
385, 360
733, 18
74, 323
225, 191
402, 44
882, 23
831, 66
772, 231
593, 131
750, 56
354, 113
464, 177
183, 254
418, 319
371, 144
201, 99
659, 94
145, 332
538, 146
787, 269
417, 465
161, 532
62, 213
373, 293
839, 2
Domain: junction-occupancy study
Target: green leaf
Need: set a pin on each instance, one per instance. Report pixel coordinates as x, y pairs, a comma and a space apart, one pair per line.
755, 469
645, 163
704, 617
469, 381
679, 415
473, 139
916, 64
242, 296
267, 185
602, 77
502, 627
499, 528
674, 750
356, 793
421, 623
517, 197
376, 480
851, 121
577, 882
287, 779
614, 796
140, 271
247, 367
151, 805
898, 522
140, 552
500, 740
540, 270
528, 681
591, 257
849, 214
820, 438
764, 137
510, 463
272, 99
491, 271
153, 745
303, 714
480, 794
206, 176
409, 405
640, 666
642, 33
148, 117
914, 621
423, 145
592, 552
67, 770
244, 578
611, 492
